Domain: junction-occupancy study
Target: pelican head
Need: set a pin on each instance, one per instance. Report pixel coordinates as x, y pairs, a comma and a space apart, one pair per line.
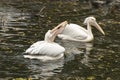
51, 34
92, 21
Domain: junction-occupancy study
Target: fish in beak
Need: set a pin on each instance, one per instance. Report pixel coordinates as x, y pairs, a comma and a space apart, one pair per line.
57, 30
98, 27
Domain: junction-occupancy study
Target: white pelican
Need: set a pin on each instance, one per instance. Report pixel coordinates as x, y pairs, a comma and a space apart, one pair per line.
47, 49
75, 32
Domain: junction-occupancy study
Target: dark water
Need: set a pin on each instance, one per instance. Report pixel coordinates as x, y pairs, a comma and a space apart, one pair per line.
25, 22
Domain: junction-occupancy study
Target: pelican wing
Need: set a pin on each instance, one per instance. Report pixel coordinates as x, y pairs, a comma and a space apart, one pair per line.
44, 48
33, 49
75, 31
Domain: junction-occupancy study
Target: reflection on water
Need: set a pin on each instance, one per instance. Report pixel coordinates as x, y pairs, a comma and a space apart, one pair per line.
76, 48
10, 19
44, 70
23, 23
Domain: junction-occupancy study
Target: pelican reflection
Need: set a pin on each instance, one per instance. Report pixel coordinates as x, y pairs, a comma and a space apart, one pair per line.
45, 70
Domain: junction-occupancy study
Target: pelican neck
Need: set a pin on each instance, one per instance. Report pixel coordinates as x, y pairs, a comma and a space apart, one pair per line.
89, 29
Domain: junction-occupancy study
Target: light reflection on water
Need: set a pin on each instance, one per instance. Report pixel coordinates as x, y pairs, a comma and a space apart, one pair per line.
20, 28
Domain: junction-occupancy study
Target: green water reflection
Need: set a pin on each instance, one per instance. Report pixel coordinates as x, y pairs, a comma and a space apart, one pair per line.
25, 22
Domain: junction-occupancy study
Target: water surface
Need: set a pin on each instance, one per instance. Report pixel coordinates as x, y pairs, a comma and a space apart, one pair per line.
23, 23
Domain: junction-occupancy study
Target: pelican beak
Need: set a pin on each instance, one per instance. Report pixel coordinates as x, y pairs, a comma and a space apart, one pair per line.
98, 27
57, 30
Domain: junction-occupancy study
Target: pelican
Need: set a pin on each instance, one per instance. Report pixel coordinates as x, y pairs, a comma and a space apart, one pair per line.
47, 49
75, 32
